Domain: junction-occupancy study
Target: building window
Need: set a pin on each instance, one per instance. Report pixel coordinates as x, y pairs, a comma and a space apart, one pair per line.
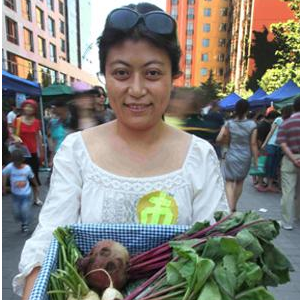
28, 40
11, 31
26, 10
221, 57
20, 66
40, 18
42, 46
51, 26
61, 7
204, 57
50, 4
223, 27
190, 28
222, 42
188, 59
203, 71
205, 42
189, 42
224, 11
10, 3
53, 53
46, 76
207, 12
220, 72
62, 26
62, 45
190, 13
174, 2
189, 47
174, 11
62, 78
191, 1
206, 27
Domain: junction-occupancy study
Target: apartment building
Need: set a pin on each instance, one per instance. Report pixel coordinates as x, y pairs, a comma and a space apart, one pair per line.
44, 40
204, 28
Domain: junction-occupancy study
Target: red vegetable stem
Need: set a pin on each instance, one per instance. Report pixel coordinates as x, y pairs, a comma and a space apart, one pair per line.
165, 246
151, 267
150, 261
168, 295
144, 285
155, 286
161, 292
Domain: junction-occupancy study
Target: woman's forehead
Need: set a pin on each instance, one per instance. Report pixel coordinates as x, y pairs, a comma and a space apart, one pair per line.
140, 51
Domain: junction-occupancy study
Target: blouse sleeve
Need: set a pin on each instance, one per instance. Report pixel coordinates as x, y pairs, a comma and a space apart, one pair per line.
208, 184
62, 207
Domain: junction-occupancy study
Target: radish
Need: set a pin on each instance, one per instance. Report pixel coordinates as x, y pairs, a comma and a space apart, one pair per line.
89, 296
109, 256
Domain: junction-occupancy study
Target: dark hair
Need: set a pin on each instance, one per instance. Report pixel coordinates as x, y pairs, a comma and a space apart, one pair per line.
17, 156
272, 115
286, 112
297, 104
98, 87
241, 108
111, 37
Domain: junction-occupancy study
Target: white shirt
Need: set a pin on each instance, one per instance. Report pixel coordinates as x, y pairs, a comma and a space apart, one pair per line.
82, 192
10, 117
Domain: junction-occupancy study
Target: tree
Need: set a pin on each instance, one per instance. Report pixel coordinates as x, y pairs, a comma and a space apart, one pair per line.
210, 88
263, 54
287, 37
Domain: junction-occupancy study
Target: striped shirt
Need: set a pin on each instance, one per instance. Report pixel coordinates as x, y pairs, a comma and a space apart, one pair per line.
289, 133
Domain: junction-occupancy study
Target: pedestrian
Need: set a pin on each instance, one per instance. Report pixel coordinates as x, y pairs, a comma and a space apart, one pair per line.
111, 173
82, 107
20, 175
273, 153
27, 134
289, 140
242, 135
103, 113
11, 117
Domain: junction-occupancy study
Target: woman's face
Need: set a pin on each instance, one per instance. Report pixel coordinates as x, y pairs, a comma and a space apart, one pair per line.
84, 102
28, 110
138, 81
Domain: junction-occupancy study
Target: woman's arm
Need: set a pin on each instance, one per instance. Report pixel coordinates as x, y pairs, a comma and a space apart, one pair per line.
254, 147
30, 279
223, 135
274, 126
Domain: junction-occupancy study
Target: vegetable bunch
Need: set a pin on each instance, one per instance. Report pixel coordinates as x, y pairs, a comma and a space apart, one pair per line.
232, 259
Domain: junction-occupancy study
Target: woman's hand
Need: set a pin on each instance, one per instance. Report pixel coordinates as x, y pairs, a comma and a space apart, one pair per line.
30, 279
17, 139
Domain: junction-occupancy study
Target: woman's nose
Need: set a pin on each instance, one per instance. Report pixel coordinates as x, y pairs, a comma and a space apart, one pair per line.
137, 87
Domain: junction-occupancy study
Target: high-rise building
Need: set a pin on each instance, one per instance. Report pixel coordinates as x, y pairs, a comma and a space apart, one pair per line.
204, 34
44, 40
249, 16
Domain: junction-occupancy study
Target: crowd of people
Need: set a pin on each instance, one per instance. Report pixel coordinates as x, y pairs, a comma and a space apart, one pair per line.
113, 173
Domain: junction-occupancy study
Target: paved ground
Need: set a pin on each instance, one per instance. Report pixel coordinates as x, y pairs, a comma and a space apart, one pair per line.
288, 241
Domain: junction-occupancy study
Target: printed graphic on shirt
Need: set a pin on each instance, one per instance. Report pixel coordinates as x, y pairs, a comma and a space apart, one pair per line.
157, 207
20, 184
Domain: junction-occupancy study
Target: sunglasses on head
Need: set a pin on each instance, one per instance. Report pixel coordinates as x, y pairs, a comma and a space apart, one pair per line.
156, 21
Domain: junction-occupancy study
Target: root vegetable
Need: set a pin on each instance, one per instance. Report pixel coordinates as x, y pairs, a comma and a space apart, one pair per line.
89, 296
110, 256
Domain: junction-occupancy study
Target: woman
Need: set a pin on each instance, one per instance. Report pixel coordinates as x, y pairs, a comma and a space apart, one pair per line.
113, 172
242, 134
27, 132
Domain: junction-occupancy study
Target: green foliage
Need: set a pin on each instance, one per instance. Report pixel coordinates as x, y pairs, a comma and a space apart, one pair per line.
287, 37
210, 88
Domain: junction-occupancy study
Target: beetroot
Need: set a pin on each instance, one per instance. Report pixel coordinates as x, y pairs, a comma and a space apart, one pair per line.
110, 256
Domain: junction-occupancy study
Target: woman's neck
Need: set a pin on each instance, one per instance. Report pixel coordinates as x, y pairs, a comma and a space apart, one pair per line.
28, 118
141, 137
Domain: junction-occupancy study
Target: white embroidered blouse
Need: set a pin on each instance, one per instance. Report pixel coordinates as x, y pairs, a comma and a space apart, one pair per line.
82, 192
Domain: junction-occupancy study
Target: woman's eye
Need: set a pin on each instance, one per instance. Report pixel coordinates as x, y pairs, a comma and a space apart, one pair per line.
153, 74
121, 74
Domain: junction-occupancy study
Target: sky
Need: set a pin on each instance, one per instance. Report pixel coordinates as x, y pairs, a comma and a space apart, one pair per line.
100, 10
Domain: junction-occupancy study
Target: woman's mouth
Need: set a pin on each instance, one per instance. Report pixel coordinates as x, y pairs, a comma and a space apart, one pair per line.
137, 107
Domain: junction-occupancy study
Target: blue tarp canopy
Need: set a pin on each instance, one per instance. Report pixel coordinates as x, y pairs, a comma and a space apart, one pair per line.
288, 90
16, 84
228, 103
259, 94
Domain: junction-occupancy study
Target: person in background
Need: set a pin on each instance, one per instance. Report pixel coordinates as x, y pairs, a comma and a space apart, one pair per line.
20, 175
103, 113
11, 117
289, 139
82, 107
128, 164
27, 132
242, 134
58, 126
273, 153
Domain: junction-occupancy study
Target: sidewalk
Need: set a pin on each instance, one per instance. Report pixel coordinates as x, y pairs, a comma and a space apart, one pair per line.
288, 241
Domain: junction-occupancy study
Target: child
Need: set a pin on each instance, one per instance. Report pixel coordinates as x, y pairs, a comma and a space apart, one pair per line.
20, 175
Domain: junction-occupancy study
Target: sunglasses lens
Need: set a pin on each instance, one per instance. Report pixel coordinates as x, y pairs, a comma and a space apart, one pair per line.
159, 23
123, 19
